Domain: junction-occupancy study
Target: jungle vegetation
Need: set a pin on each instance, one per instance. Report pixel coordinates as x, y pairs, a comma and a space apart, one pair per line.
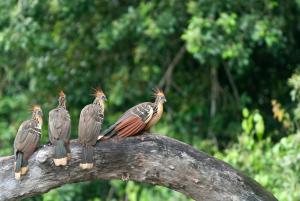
229, 69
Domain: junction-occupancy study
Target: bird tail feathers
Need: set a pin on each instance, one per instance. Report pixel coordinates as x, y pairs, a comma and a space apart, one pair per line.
18, 165
19, 159
60, 153
87, 158
108, 133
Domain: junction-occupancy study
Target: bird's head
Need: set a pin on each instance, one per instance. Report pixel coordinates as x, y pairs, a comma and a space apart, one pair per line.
62, 94
100, 97
62, 99
37, 111
159, 96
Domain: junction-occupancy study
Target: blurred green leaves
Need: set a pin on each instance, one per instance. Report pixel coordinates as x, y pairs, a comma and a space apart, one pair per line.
226, 34
126, 47
253, 123
275, 166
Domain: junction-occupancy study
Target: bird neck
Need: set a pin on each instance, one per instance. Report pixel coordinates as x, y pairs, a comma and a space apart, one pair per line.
158, 110
99, 102
38, 119
158, 103
62, 103
158, 106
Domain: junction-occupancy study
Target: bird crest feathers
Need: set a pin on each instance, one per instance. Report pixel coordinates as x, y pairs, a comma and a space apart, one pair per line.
36, 108
158, 92
61, 93
98, 92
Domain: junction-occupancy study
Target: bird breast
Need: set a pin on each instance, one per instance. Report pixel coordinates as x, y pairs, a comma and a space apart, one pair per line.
155, 117
40, 122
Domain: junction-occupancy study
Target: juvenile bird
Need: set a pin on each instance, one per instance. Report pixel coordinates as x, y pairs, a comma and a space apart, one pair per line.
90, 123
138, 118
27, 140
59, 131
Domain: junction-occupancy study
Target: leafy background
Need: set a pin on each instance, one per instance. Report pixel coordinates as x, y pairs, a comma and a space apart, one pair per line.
230, 71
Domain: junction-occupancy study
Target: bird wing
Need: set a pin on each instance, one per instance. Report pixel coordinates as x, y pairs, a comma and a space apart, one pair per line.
59, 125
90, 123
27, 138
134, 120
143, 110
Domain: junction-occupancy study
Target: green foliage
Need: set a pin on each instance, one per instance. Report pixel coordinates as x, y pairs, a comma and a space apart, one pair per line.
275, 166
253, 123
130, 47
294, 82
135, 193
224, 34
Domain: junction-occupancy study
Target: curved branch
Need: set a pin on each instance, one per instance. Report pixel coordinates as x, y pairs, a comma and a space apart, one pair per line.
149, 158
167, 78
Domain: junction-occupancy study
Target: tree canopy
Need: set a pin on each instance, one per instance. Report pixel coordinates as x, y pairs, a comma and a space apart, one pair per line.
229, 70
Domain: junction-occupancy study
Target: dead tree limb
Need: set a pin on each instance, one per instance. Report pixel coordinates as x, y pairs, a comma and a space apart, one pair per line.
167, 78
151, 159
232, 84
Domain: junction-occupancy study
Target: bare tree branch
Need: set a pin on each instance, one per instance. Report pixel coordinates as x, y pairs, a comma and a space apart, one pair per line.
151, 159
167, 78
214, 89
232, 84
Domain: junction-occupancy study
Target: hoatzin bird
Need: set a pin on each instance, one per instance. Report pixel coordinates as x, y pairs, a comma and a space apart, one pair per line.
27, 140
90, 123
59, 131
138, 118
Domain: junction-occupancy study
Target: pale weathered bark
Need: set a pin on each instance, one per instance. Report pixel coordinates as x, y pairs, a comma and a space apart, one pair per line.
151, 159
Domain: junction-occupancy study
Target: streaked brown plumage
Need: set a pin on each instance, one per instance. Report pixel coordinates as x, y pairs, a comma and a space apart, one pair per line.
90, 123
138, 118
27, 140
59, 131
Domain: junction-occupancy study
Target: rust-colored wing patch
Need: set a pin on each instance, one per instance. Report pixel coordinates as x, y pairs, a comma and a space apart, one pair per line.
130, 126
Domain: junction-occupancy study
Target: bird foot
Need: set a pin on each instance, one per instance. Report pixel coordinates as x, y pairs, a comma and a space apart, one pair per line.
24, 170
69, 156
85, 166
17, 175
60, 161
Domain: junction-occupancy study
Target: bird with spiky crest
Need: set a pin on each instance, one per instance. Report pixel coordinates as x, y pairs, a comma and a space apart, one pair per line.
90, 122
59, 131
138, 118
27, 140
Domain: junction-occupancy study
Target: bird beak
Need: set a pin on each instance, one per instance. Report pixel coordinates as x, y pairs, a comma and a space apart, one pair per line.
164, 99
104, 98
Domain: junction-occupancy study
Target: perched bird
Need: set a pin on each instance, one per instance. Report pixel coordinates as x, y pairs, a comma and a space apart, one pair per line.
90, 123
138, 118
27, 140
59, 131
